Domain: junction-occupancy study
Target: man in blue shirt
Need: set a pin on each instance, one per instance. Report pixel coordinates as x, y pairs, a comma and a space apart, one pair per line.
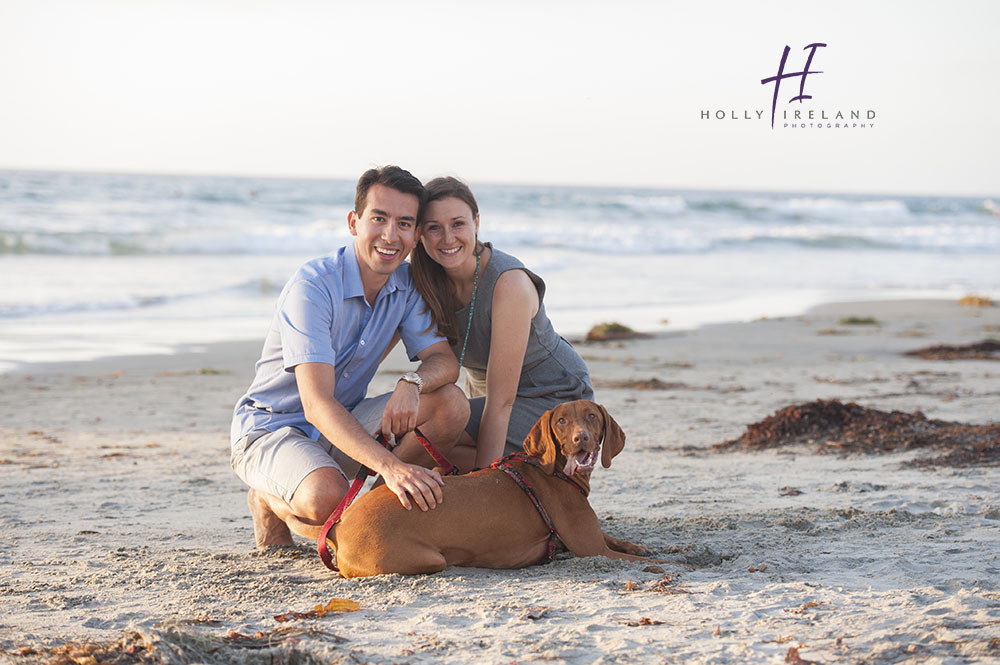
304, 424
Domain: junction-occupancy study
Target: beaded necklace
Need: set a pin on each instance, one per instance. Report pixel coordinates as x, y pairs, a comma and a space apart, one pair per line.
472, 306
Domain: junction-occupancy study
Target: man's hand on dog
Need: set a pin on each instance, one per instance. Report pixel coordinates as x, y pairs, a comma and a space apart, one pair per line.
409, 480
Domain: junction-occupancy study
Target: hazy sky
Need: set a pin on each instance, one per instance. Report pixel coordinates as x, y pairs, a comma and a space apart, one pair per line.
533, 92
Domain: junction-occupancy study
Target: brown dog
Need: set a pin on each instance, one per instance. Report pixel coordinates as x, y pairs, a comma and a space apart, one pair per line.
486, 520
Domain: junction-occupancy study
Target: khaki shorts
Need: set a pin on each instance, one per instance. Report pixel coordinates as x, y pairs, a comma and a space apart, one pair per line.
277, 462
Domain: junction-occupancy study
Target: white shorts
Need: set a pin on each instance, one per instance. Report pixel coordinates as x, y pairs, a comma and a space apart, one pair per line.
277, 462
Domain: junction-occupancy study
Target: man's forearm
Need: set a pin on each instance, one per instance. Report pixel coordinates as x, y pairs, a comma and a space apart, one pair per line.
342, 430
316, 383
438, 369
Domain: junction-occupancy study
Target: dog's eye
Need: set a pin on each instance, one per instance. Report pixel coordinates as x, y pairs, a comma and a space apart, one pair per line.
591, 416
561, 421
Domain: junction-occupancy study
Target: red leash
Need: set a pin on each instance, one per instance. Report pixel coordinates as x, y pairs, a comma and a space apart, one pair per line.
447, 469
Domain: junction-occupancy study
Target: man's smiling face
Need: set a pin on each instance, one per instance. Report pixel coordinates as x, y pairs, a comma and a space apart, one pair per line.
384, 233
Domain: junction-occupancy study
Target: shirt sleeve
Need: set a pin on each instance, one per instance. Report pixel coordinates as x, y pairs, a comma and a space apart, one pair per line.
417, 329
305, 319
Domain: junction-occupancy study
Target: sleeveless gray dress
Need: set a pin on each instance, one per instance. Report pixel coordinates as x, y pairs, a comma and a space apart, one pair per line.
552, 372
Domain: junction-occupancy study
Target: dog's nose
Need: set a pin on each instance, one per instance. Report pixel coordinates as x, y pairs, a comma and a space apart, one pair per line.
581, 437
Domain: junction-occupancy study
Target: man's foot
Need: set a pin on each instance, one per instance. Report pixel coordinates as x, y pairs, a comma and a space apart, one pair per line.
268, 529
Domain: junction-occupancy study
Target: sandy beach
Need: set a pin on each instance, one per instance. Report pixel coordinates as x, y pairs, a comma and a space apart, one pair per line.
123, 526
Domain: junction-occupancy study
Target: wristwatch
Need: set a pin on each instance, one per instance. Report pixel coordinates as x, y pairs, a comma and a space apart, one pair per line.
414, 378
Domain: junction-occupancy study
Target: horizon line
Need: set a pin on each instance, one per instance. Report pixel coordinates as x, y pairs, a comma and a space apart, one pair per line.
501, 183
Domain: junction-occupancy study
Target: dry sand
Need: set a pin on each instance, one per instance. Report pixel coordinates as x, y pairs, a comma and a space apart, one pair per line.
119, 513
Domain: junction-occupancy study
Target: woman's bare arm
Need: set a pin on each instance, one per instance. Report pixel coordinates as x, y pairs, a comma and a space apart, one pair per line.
515, 303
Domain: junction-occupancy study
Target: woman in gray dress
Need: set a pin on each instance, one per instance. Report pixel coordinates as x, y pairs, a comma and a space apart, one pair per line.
490, 308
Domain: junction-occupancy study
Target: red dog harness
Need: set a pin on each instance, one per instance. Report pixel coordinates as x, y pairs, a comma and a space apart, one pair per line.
505, 464
447, 468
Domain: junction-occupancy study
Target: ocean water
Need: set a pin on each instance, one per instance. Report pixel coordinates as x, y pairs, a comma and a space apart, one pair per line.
94, 265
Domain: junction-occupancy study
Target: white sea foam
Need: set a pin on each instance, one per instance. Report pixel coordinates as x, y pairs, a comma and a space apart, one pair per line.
652, 204
90, 262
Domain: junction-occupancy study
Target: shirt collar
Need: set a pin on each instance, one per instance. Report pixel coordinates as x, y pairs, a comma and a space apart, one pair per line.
354, 287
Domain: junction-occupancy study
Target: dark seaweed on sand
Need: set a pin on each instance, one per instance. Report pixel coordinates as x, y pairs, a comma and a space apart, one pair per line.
177, 642
834, 427
610, 331
645, 384
988, 349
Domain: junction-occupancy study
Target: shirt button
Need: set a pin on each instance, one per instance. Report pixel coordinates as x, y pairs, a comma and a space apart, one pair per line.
347, 375
362, 342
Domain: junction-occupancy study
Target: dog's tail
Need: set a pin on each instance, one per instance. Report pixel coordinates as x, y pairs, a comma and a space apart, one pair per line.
310, 531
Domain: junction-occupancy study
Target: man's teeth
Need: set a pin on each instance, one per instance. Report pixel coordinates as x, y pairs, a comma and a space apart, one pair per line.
386, 252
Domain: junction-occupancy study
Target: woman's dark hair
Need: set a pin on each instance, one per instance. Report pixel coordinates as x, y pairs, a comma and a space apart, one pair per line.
428, 275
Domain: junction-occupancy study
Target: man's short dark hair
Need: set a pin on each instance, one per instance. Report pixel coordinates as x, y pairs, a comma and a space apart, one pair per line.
388, 176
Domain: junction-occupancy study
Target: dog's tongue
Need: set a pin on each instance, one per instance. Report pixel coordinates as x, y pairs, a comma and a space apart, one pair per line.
581, 460
572, 464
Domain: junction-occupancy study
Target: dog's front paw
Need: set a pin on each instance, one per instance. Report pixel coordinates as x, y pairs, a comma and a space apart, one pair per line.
626, 547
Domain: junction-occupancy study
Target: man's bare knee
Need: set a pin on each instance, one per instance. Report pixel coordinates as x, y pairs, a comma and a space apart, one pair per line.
449, 407
318, 495
459, 406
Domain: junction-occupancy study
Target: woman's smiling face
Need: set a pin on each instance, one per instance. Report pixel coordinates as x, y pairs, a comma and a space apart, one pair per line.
448, 231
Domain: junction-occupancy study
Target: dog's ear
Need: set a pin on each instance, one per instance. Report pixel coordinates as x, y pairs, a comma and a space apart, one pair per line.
614, 438
540, 443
